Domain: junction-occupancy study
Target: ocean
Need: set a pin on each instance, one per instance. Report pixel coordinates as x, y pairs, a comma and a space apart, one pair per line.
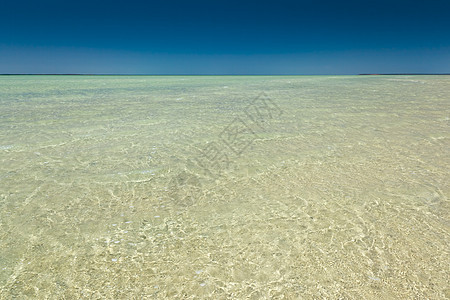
224, 187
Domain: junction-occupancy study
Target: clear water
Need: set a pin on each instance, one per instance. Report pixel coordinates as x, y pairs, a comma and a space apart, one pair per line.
224, 187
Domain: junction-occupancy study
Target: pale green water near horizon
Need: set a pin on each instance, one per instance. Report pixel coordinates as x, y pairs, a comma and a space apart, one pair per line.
224, 187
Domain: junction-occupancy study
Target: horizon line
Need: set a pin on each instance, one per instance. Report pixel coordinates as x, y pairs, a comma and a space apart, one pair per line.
124, 74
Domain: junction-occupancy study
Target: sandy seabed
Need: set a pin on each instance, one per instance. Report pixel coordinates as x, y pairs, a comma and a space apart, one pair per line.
246, 187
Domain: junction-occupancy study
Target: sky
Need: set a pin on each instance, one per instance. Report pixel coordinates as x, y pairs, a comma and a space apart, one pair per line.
224, 37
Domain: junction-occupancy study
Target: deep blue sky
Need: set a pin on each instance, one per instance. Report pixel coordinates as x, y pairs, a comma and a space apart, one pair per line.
224, 37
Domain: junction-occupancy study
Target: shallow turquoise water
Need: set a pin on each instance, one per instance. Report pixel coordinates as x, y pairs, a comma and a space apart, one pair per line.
224, 187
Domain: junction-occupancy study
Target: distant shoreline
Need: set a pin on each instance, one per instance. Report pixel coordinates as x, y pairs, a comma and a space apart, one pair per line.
409, 74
